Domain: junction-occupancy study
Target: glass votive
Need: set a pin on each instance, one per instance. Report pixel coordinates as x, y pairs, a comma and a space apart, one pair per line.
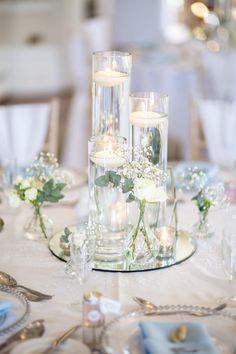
166, 236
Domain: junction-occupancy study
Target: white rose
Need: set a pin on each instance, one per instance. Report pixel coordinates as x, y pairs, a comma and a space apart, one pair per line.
25, 184
147, 189
14, 200
31, 194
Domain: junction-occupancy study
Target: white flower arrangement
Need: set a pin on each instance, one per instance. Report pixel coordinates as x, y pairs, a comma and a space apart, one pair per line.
143, 182
39, 186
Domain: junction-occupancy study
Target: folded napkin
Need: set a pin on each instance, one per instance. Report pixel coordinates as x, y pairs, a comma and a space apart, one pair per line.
155, 338
4, 307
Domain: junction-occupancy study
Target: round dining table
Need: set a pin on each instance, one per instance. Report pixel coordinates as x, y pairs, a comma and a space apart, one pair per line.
200, 280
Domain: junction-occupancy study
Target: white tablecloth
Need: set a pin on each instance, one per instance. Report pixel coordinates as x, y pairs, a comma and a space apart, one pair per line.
199, 280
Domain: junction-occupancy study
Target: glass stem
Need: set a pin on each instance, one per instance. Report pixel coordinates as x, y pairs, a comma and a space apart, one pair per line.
80, 295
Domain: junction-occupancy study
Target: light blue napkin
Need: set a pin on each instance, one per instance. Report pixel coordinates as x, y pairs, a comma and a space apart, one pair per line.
154, 338
4, 307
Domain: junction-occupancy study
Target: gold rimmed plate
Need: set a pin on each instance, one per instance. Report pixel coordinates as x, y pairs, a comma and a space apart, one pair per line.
122, 336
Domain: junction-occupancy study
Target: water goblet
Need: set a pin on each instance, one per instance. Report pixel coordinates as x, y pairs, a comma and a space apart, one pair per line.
81, 255
228, 248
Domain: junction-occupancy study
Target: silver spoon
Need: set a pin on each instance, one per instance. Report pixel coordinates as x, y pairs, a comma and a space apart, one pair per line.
32, 295
32, 330
145, 304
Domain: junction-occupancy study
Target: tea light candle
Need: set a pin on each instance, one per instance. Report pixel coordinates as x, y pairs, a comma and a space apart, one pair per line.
143, 119
167, 239
109, 77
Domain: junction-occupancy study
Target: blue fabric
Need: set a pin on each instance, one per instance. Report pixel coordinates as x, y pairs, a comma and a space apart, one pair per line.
4, 307
155, 338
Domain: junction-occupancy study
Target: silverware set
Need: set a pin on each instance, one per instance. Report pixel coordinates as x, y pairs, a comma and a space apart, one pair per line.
35, 330
30, 294
32, 330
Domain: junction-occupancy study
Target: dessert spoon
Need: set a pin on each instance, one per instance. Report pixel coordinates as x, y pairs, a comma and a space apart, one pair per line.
32, 330
32, 295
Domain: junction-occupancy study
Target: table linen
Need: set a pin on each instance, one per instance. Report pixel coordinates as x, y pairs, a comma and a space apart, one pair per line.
198, 281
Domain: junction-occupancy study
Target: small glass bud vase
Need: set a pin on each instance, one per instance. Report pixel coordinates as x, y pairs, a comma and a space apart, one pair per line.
141, 245
202, 228
38, 227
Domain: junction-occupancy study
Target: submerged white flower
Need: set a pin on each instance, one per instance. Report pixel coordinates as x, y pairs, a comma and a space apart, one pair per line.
146, 189
31, 194
14, 200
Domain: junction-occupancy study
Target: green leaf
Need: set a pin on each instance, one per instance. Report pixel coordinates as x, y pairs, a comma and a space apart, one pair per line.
128, 185
102, 181
130, 198
67, 231
48, 186
114, 178
51, 199
60, 186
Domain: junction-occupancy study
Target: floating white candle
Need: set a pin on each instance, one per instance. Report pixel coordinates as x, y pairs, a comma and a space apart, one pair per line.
146, 119
109, 77
107, 159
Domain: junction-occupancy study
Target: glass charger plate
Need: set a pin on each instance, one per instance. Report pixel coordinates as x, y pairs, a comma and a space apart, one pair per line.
18, 312
121, 335
185, 248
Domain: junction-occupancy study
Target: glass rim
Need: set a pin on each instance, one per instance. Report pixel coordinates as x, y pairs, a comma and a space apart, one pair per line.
145, 95
111, 53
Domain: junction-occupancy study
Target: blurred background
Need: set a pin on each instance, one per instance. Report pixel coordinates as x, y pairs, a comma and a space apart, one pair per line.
184, 48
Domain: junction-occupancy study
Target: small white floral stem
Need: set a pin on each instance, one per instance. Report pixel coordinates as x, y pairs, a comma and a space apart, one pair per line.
135, 234
41, 222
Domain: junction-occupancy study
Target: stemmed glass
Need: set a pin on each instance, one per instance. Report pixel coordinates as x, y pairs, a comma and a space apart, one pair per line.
228, 247
81, 254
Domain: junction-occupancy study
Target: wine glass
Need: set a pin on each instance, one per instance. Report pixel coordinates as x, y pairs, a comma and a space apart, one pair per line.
81, 256
228, 247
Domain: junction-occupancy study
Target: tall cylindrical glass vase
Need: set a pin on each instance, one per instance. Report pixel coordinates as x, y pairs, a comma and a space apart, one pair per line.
107, 202
149, 134
149, 125
111, 86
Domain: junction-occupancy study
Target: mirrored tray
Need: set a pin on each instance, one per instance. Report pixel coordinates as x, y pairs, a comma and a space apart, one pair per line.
121, 335
185, 248
18, 312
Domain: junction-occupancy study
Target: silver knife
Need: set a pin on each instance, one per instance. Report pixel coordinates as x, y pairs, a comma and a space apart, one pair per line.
59, 340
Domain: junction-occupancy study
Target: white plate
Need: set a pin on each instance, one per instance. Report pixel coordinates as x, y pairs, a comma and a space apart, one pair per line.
37, 345
121, 335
